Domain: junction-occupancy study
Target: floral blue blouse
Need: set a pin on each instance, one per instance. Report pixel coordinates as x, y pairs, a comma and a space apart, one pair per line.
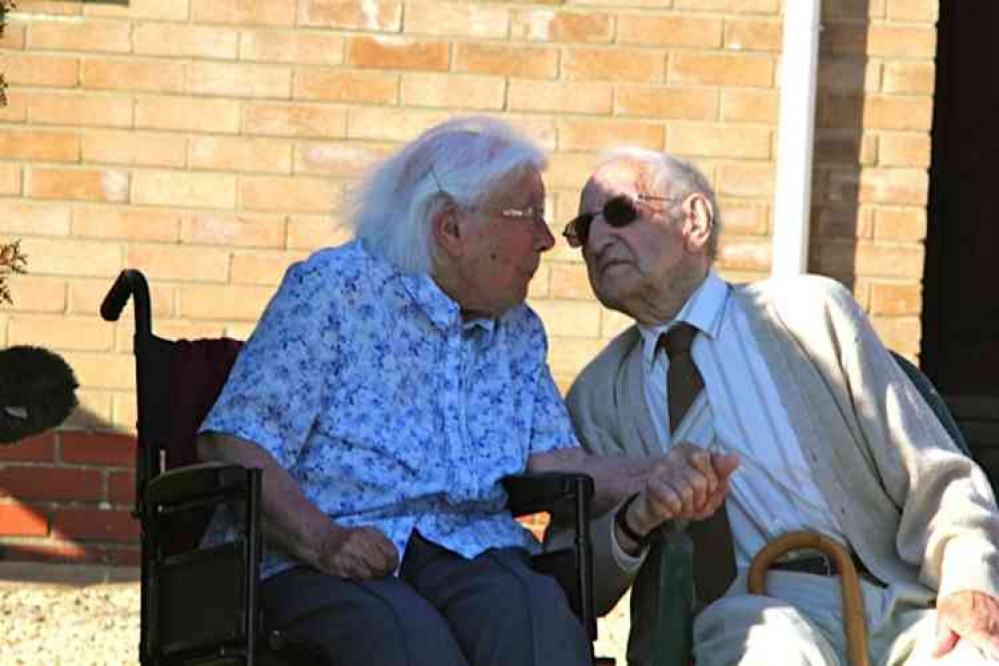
388, 409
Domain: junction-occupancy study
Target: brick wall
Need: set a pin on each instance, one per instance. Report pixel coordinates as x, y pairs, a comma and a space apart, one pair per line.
208, 142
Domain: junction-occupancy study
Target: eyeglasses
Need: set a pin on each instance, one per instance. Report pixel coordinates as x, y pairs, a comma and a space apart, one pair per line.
535, 214
619, 211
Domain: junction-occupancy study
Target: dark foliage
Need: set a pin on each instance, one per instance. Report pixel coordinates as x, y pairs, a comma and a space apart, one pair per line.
36, 392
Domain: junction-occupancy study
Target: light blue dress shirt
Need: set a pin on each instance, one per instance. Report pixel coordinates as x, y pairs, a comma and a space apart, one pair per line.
388, 408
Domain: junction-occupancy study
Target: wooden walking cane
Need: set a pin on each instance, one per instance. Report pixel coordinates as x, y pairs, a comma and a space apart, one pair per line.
854, 620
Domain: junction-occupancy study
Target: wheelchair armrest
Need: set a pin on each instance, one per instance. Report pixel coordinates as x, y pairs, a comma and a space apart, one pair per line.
193, 482
534, 492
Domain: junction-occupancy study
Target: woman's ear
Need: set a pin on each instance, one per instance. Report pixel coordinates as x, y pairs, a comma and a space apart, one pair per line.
446, 226
699, 216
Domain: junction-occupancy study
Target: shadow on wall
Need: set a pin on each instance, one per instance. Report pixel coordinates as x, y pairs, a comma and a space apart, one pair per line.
66, 496
844, 145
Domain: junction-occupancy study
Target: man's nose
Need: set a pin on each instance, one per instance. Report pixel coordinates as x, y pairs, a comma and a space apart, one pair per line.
544, 240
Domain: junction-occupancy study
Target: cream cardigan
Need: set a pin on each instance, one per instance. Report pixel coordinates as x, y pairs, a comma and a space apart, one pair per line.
915, 510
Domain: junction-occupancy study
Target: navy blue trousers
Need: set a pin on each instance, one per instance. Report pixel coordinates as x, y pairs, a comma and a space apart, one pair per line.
443, 610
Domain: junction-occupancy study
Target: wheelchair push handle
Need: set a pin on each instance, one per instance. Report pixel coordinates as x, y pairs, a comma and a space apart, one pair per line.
130, 283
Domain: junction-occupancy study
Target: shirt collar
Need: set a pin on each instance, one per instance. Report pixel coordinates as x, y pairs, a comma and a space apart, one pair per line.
440, 308
703, 310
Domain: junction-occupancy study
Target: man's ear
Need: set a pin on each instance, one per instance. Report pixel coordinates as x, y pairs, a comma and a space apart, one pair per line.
699, 217
447, 230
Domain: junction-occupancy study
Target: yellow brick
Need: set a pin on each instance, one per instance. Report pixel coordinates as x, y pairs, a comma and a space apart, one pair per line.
894, 186
32, 70
94, 36
382, 124
313, 232
194, 41
674, 30
925, 11
666, 102
397, 53
34, 294
877, 112
453, 91
538, 286
86, 296
722, 69
612, 323
230, 80
459, 19
843, 221
11, 179
849, 76
50, 7
838, 10
67, 333
560, 97
712, 140
84, 184
347, 85
301, 120
13, 37
900, 334
16, 110
600, 134
567, 356
93, 411
733, 6
245, 12
188, 114
134, 148
909, 78
746, 179
141, 224
300, 194
161, 76
569, 171
176, 262
744, 253
344, 160
41, 146
869, 259
845, 146
21, 217
222, 153
291, 47
750, 106
896, 298
368, 15
569, 318
98, 370
540, 129
749, 35
222, 302
886, 41
545, 25
741, 216
72, 257
570, 281
904, 150
506, 60
231, 231
80, 109
152, 10
613, 64
176, 188
900, 224
262, 268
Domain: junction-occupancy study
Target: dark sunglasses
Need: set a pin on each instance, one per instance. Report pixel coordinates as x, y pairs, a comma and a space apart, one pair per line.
619, 211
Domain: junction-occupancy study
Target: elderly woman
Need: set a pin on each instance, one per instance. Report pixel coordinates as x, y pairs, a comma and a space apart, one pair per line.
390, 384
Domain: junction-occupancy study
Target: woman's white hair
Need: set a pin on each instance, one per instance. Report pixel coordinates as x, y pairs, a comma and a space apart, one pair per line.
457, 162
672, 176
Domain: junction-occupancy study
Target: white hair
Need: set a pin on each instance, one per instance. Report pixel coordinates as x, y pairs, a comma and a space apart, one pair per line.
672, 176
459, 161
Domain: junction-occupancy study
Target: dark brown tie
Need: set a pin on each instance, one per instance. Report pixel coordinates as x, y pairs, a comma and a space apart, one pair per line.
714, 556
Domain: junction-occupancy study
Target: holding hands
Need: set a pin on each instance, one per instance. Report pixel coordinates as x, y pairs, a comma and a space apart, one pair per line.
690, 483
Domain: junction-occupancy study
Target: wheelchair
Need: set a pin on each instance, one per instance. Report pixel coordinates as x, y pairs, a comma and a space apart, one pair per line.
199, 604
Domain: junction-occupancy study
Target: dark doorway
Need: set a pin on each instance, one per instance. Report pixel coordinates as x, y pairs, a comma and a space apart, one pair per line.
961, 295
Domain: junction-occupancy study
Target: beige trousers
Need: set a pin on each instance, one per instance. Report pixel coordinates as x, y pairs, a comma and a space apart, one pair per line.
799, 623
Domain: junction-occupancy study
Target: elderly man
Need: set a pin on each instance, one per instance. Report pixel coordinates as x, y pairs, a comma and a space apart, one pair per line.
388, 387
830, 434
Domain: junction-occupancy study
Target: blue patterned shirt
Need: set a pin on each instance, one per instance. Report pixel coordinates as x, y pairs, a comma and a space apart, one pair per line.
388, 409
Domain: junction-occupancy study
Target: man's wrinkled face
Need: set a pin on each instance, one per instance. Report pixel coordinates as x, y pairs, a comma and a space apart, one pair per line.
507, 236
626, 263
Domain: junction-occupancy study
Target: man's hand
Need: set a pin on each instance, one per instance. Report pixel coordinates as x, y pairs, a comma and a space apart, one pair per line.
690, 483
971, 616
357, 552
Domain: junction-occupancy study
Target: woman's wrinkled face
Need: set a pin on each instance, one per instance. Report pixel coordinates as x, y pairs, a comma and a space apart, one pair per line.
507, 234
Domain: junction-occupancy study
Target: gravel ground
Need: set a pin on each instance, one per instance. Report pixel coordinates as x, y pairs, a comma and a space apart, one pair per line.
57, 615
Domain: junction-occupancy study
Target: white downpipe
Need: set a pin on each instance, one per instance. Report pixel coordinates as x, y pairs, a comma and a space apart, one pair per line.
796, 136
